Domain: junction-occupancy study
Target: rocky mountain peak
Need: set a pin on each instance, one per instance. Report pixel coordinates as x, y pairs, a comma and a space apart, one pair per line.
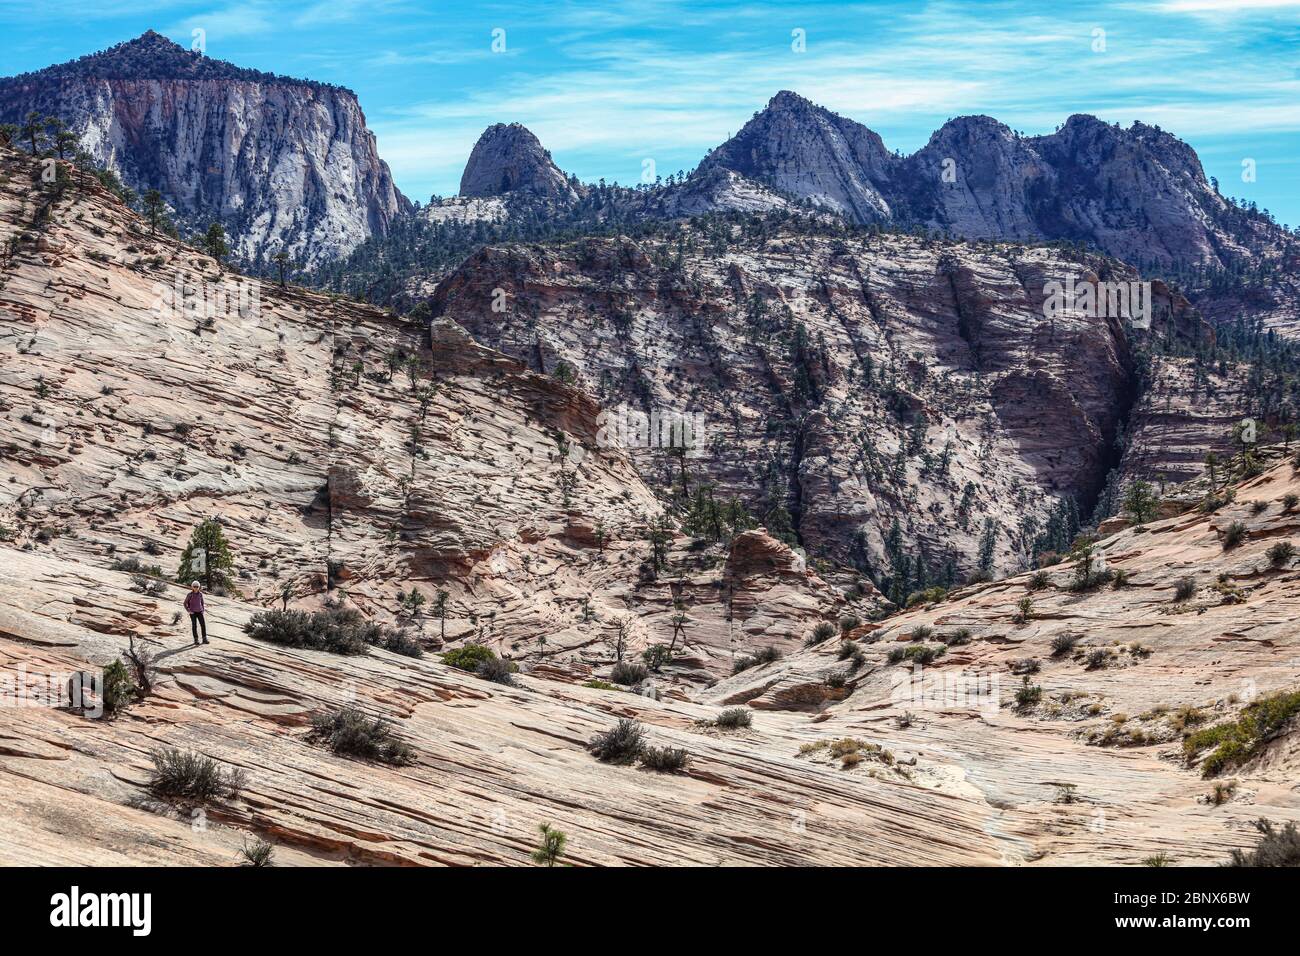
789, 100
284, 164
508, 158
151, 56
809, 152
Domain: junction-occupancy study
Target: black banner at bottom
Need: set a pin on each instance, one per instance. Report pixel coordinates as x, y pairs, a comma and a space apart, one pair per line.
136, 906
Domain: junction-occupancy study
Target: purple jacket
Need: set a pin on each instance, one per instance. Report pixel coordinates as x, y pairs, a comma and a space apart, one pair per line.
194, 602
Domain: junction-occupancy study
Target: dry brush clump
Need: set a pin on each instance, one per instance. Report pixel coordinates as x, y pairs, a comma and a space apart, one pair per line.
626, 743
766, 655
191, 776
337, 630
350, 733
1276, 847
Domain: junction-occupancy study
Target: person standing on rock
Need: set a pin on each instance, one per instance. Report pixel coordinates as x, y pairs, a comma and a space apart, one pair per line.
194, 604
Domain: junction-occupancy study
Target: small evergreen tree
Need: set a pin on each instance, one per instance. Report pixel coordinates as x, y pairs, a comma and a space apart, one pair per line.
207, 558
550, 849
1140, 502
154, 208
281, 260
214, 243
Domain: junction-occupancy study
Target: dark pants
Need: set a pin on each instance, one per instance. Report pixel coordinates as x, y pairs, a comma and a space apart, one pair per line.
196, 622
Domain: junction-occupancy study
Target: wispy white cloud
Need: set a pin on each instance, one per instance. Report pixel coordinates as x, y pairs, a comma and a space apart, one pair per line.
1223, 6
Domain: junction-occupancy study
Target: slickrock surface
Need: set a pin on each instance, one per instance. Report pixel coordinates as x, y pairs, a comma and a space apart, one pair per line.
1113, 731
284, 164
852, 381
339, 468
960, 784
492, 762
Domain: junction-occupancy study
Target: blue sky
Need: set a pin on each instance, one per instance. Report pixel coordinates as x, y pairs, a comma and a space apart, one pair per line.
607, 85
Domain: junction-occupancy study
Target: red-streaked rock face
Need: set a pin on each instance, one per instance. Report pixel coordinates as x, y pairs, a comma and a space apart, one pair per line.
814, 359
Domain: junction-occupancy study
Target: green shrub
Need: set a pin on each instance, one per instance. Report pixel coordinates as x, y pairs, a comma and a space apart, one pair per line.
468, 657
656, 656
734, 718
187, 775
917, 653
119, 689
1028, 694
766, 655
620, 745
1233, 535
922, 632
1280, 555
1236, 741
350, 733
1184, 589
820, 634
258, 853
958, 637
929, 596
1039, 580
550, 849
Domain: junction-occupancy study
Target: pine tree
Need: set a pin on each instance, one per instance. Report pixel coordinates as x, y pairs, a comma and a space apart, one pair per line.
214, 243
988, 541
551, 848
1140, 501
154, 208
207, 558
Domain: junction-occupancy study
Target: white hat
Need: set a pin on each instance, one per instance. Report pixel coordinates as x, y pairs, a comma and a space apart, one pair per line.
194, 584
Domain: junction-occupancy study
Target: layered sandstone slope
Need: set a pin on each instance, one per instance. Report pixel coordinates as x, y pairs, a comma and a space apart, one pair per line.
847, 380
1121, 675
286, 165
491, 762
908, 767
343, 450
